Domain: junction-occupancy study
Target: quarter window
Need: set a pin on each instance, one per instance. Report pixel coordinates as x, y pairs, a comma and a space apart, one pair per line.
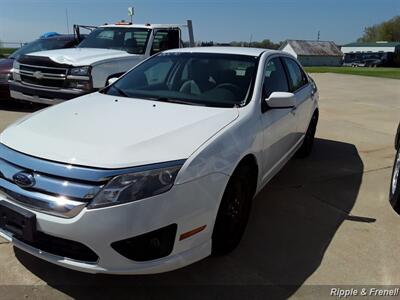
297, 77
274, 78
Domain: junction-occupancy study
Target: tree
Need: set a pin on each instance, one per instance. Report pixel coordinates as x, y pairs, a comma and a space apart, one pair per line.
385, 31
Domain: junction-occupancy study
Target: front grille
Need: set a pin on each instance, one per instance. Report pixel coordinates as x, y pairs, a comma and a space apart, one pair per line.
42, 71
56, 83
62, 247
29, 68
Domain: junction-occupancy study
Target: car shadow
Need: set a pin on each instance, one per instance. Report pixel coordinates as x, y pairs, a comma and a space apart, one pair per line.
293, 221
17, 106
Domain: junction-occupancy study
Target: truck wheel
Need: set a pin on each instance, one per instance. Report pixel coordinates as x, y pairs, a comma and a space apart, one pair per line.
308, 142
233, 212
395, 184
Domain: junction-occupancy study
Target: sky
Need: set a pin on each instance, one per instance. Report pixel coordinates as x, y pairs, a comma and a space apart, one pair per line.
342, 21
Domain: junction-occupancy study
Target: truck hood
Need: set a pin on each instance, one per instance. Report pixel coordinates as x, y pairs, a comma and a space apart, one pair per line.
114, 132
81, 56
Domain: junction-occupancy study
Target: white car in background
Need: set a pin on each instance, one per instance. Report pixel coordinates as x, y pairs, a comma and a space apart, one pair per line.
159, 169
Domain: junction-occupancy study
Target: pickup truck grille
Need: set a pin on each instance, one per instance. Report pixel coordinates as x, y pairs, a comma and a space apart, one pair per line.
43, 76
41, 71
29, 79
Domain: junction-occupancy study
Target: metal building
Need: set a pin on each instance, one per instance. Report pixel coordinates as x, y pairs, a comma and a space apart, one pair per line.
314, 53
373, 47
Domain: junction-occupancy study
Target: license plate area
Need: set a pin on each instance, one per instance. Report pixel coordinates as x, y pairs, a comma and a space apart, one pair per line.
18, 221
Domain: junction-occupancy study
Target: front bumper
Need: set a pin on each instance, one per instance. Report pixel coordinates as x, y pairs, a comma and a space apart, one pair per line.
43, 95
189, 205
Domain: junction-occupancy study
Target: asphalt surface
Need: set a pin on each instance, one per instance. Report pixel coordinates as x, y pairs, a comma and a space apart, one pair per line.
323, 222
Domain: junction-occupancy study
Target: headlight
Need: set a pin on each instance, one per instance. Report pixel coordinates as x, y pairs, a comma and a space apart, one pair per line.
15, 65
80, 71
136, 186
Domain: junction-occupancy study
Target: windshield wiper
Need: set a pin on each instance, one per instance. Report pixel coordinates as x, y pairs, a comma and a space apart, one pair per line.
172, 100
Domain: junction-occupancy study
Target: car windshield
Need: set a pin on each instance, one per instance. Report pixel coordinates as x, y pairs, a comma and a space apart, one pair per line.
41, 45
131, 40
219, 80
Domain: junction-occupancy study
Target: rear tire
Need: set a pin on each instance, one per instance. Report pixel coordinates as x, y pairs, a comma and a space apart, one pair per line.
395, 184
233, 213
308, 142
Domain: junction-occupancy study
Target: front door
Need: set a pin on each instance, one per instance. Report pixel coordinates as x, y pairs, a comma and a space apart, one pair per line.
278, 125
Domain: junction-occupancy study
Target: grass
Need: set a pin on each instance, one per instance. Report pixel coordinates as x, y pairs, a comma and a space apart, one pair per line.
373, 72
4, 52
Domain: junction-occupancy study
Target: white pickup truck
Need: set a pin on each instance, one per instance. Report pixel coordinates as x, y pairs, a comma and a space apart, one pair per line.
51, 77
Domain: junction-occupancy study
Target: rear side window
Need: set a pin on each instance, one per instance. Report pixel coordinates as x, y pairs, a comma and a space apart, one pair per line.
274, 78
297, 77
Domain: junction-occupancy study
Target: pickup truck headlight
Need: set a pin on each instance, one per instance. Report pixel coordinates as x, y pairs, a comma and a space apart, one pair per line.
135, 186
80, 71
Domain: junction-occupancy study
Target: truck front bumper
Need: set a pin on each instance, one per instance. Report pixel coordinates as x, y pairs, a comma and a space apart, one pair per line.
41, 95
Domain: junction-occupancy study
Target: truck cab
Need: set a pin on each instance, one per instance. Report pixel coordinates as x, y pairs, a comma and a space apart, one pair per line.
51, 77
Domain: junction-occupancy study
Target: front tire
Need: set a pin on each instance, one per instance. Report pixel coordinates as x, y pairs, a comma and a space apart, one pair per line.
308, 142
233, 213
395, 184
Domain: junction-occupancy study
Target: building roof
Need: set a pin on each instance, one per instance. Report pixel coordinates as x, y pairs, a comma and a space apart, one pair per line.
316, 48
224, 50
373, 44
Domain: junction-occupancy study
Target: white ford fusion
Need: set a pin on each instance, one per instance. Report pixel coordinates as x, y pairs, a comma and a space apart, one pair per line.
159, 169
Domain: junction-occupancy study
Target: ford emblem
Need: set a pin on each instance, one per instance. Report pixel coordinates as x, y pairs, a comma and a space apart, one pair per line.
24, 179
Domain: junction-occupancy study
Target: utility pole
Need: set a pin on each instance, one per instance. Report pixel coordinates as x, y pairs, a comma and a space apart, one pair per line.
66, 15
319, 34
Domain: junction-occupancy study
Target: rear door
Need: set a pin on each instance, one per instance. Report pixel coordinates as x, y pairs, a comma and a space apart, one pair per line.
278, 125
301, 87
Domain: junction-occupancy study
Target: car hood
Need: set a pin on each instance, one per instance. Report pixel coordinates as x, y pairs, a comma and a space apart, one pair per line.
114, 132
81, 56
6, 65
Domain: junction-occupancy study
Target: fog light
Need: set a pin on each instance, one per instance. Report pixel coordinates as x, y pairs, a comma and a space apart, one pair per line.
81, 85
152, 245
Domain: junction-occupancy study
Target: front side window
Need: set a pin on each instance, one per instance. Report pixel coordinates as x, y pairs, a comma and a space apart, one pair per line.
220, 80
297, 77
274, 78
131, 40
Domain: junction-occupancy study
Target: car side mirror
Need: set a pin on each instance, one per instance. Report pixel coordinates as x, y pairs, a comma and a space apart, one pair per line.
112, 80
281, 100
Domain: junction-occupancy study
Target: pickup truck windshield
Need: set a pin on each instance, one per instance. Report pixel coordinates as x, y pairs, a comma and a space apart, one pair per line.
131, 40
219, 80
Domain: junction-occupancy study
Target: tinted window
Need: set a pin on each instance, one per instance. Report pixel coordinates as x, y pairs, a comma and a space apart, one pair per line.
220, 80
132, 40
164, 40
275, 78
296, 74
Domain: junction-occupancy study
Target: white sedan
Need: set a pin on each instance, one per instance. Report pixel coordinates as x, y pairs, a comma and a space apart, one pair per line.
158, 170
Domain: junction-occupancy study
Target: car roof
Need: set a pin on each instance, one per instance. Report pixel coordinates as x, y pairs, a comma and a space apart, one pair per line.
224, 50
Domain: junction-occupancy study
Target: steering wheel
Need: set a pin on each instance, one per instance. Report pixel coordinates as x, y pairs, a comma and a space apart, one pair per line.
230, 86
